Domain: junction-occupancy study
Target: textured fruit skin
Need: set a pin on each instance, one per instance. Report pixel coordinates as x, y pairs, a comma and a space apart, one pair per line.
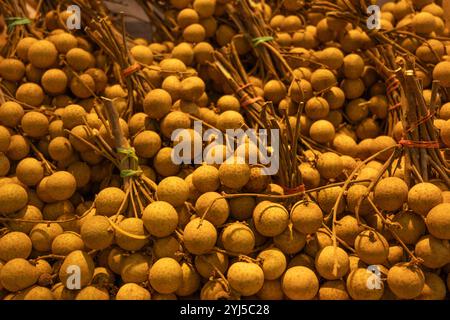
97, 233
246, 278
390, 193
18, 274
160, 218
83, 261
405, 282
438, 221
423, 197
199, 240
357, 285
332, 263
300, 283
371, 247
165, 275
270, 219
306, 217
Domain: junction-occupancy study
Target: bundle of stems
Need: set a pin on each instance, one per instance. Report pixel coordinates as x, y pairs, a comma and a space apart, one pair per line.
162, 27
385, 62
115, 44
262, 114
20, 25
420, 136
358, 15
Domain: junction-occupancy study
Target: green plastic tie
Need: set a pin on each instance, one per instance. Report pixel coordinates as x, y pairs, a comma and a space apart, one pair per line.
16, 21
257, 41
130, 173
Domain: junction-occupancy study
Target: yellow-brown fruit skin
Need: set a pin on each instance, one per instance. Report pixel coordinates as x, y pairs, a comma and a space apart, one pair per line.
423, 197
18, 274
390, 193
332, 263
406, 282
165, 275
83, 261
12, 198
371, 247
199, 238
438, 221
246, 278
357, 285
300, 283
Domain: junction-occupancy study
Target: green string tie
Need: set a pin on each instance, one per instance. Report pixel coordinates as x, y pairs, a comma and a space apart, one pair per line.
257, 41
130, 173
16, 21
129, 154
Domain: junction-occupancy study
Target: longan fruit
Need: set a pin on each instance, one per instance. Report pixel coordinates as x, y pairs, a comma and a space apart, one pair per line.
306, 217
165, 275
274, 263
199, 236
134, 226
142, 54
67, 242
322, 131
173, 190
61, 185
438, 222
347, 229
270, 219
12, 69
406, 281
29, 171
187, 17
78, 59
15, 245
390, 193
442, 74
18, 274
60, 149
163, 164
82, 86
204, 8
132, 291
147, 143
42, 54
246, 278
54, 81
194, 33
300, 283
290, 241
157, 103
97, 233
135, 268
238, 238
333, 290
412, 226
19, 148
332, 263
13, 197
322, 79
372, 247
433, 289
206, 178
31, 94
160, 218
434, 252
357, 286
219, 209
11, 113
